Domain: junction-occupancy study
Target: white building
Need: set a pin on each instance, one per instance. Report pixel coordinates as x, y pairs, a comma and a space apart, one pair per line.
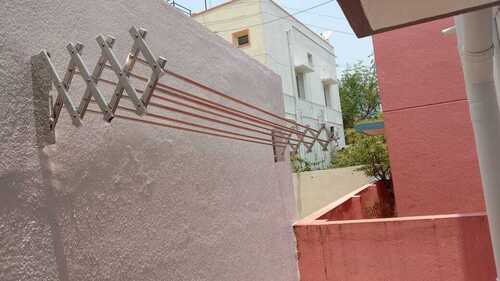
304, 60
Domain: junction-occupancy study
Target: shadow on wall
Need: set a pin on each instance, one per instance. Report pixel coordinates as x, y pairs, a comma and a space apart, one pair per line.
28, 206
30, 215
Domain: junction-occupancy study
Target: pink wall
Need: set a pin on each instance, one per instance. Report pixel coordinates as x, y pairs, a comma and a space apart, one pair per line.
368, 202
427, 121
434, 248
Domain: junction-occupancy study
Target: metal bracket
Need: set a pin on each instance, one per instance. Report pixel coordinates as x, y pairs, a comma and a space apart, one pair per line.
42, 100
96, 74
126, 69
45, 74
157, 66
294, 147
123, 73
123, 81
315, 138
62, 87
91, 84
330, 134
279, 150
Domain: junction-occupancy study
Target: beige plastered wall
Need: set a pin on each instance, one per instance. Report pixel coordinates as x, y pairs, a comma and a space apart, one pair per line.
316, 189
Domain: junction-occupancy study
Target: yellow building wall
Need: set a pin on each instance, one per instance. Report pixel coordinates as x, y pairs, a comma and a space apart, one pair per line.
221, 20
314, 190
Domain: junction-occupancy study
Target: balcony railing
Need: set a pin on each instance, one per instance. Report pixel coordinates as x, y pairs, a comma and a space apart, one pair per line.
180, 7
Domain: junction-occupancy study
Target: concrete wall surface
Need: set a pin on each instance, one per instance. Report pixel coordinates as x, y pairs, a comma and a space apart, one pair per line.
437, 248
427, 122
317, 189
126, 201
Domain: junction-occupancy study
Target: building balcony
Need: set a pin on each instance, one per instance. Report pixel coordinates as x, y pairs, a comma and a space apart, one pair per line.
310, 111
303, 63
328, 75
303, 68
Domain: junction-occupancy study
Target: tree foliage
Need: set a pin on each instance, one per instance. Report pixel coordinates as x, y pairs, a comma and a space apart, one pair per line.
368, 152
300, 165
359, 93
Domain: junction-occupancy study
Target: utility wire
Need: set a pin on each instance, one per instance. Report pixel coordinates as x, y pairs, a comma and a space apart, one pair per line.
231, 19
282, 17
312, 25
251, 2
287, 17
315, 14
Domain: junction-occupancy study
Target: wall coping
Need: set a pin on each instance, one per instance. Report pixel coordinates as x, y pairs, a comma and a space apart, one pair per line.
385, 220
313, 218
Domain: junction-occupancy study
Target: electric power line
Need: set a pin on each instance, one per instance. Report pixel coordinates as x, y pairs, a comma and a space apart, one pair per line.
316, 26
256, 14
249, 2
282, 17
321, 15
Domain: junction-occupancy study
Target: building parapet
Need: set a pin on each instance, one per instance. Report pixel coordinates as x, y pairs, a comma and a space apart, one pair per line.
351, 240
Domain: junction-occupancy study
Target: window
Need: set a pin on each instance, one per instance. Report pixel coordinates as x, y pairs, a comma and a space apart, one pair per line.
299, 76
310, 59
326, 91
241, 39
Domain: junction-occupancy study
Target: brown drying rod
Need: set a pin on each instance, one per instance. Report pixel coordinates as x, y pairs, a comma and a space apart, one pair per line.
163, 88
202, 86
172, 109
171, 91
190, 106
221, 133
166, 118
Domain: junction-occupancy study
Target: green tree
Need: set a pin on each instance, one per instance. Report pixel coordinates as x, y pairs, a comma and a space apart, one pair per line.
300, 165
359, 93
368, 152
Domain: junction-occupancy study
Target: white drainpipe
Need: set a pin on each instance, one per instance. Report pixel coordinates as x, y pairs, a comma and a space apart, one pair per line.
475, 34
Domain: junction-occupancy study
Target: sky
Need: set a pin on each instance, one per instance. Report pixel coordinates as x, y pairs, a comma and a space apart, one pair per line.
349, 49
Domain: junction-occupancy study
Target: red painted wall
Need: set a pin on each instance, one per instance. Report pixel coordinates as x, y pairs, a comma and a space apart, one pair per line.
427, 121
341, 242
432, 248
